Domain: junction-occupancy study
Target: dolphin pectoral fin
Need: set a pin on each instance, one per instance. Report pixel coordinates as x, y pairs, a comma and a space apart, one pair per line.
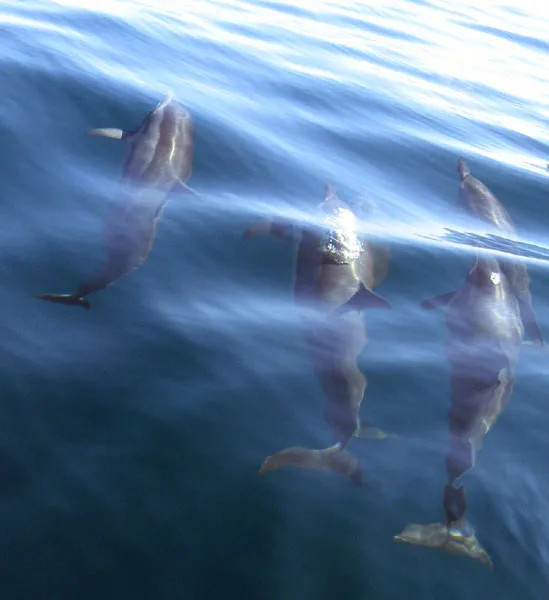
69, 299
110, 132
188, 190
364, 298
333, 459
456, 540
437, 301
530, 322
534, 346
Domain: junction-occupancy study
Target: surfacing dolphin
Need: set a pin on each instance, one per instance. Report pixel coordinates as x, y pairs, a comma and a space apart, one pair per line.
477, 200
485, 333
158, 163
335, 272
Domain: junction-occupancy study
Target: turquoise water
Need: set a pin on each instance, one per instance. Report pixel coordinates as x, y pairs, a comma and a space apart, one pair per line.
132, 433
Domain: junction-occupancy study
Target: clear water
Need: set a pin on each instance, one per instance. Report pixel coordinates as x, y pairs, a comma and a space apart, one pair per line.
132, 433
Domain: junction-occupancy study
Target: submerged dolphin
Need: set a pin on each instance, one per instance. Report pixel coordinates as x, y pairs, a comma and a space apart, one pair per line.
477, 200
334, 276
159, 162
485, 333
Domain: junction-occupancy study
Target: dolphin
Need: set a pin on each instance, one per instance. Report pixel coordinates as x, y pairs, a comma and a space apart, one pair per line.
335, 272
478, 201
158, 163
485, 334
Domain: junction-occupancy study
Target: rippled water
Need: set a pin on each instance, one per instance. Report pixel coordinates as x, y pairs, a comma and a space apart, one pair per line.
132, 433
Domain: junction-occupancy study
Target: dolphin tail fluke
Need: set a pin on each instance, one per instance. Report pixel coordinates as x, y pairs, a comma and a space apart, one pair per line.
364, 206
437, 301
459, 539
69, 299
463, 169
364, 298
333, 459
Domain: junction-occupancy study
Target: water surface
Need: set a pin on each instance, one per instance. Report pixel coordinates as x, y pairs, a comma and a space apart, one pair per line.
132, 433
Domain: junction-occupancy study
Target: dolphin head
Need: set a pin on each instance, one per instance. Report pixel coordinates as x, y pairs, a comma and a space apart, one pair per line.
486, 273
154, 116
168, 99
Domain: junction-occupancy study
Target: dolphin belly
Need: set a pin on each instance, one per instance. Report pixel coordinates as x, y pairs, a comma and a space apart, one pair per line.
334, 350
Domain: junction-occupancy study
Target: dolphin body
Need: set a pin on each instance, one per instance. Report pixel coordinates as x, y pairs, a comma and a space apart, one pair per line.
334, 275
158, 162
485, 333
478, 201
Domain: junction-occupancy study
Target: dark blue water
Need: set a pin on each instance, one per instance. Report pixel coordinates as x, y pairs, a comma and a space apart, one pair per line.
132, 433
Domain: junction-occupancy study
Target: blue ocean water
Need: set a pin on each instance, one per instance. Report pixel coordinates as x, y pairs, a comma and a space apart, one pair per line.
132, 433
